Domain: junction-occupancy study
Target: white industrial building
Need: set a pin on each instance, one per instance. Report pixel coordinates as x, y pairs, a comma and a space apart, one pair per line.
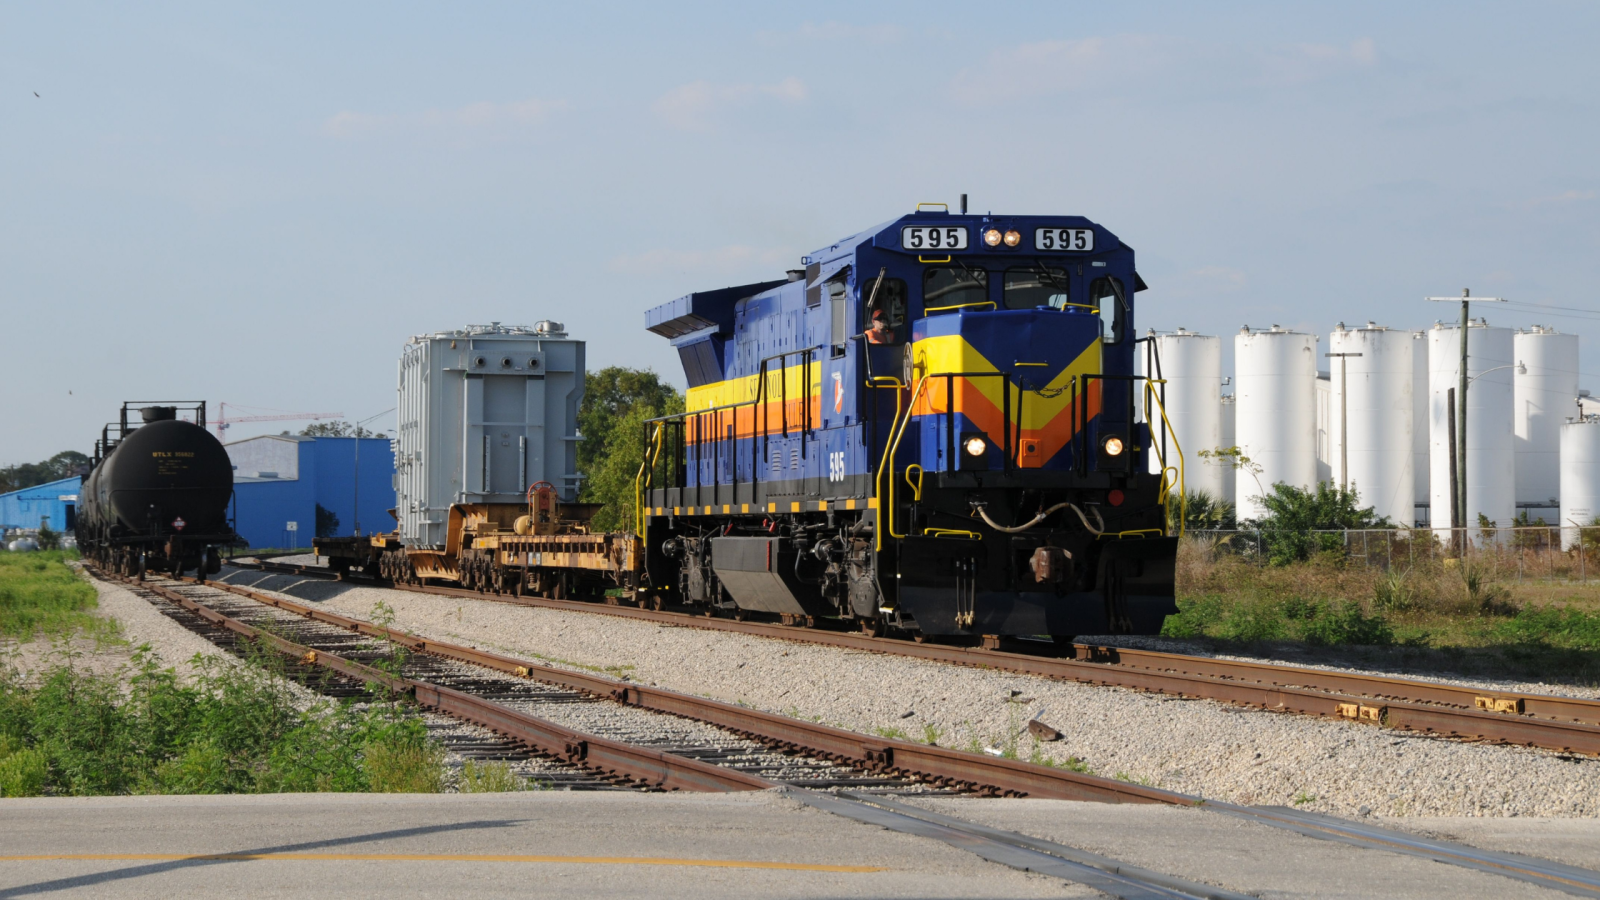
1369, 407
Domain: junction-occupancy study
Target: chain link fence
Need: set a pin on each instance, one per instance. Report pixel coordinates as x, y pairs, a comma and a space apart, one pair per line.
1566, 553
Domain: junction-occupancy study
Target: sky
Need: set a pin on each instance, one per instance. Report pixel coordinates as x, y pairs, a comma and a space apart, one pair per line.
259, 204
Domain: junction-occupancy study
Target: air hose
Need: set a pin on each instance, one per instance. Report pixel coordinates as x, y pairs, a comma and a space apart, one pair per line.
1044, 515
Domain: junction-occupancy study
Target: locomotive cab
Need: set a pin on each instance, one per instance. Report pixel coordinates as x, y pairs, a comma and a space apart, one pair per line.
936, 425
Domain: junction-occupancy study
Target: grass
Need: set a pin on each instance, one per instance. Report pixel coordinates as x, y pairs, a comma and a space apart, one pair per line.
233, 729
1490, 609
41, 595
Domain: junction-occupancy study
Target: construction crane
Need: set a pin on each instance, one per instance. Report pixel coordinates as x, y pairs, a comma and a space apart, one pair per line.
223, 420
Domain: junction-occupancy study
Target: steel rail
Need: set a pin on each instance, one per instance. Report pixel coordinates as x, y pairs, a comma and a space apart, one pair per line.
1563, 724
978, 772
650, 767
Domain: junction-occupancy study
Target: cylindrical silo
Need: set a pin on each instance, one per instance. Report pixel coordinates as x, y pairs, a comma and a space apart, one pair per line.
1228, 438
1545, 391
1580, 477
1191, 364
1419, 419
1372, 394
1491, 456
1275, 409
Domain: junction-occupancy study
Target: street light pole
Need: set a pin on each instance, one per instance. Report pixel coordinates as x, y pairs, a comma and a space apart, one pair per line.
1344, 417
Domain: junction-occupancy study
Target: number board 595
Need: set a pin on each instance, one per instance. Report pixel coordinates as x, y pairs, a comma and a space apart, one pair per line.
933, 237
1077, 240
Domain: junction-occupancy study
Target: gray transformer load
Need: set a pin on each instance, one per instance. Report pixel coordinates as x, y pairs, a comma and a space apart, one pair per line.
484, 413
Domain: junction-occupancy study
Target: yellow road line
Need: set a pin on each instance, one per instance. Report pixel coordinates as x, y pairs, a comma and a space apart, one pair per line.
430, 857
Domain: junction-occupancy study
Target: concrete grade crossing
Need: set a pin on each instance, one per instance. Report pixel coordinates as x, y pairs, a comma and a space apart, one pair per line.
763, 844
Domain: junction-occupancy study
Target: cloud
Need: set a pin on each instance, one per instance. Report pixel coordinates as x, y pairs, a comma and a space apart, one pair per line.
1306, 62
721, 260
835, 31
1561, 199
479, 117
1210, 280
1052, 67
697, 105
1118, 64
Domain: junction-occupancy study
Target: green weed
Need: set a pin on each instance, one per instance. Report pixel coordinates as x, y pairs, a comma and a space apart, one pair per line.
491, 778
889, 731
234, 729
40, 594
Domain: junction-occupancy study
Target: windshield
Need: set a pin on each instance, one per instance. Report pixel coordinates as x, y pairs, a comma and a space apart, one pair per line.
1036, 286
947, 287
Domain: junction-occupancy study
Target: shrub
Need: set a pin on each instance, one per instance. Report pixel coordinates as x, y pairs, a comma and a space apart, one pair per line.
1294, 517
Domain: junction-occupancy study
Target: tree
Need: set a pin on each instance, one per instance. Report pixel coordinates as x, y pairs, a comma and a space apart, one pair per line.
327, 522
66, 464
1289, 530
611, 394
617, 402
337, 428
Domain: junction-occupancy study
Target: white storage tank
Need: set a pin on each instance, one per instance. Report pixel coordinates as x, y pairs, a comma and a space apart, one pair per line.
1275, 409
1191, 364
1419, 423
484, 413
1491, 457
1545, 392
1227, 438
1372, 392
1580, 477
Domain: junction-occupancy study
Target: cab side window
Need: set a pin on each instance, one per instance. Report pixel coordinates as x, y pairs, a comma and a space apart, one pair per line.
836, 314
883, 299
1107, 296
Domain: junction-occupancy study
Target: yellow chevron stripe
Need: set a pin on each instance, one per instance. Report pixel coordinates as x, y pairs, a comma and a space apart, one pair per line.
952, 353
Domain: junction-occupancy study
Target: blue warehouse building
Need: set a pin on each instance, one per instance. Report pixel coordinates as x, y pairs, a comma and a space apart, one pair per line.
55, 502
288, 489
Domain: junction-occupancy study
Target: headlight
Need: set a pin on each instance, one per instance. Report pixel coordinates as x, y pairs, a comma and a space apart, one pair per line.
1113, 446
992, 237
1013, 238
975, 446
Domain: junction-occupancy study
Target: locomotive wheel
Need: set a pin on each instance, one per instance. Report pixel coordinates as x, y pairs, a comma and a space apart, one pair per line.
872, 627
657, 603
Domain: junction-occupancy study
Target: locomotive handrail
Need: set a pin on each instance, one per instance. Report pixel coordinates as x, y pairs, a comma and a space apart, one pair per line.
648, 466
889, 461
916, 487
1166, 486
989, 303
898, 387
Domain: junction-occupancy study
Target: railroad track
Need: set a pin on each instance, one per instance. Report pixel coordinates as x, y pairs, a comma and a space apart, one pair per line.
657, 739
1564, 724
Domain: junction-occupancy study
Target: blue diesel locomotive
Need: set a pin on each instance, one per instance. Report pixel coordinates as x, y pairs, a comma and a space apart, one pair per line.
935, 427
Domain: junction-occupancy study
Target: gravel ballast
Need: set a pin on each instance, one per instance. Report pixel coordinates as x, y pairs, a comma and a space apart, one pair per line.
1194, 746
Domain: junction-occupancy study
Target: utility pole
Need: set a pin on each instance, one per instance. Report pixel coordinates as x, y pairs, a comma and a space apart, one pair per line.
1344, 417
1458, 487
